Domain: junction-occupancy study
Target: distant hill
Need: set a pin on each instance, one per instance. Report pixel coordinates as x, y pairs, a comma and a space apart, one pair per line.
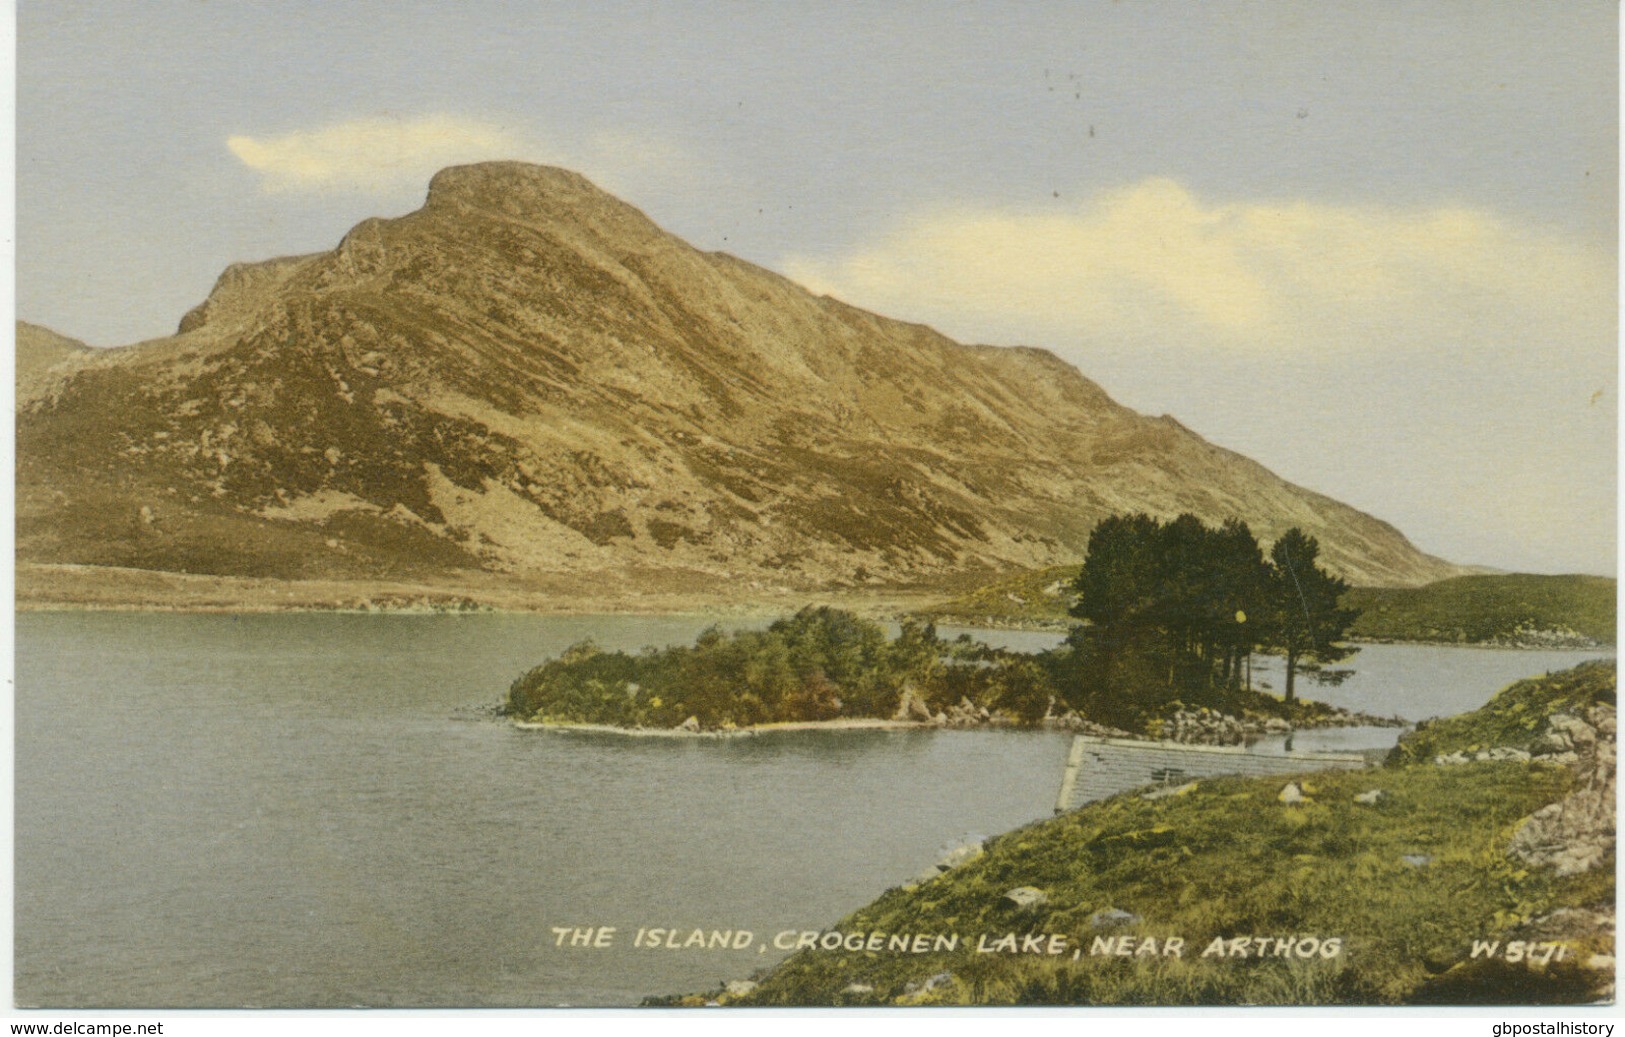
40, 352
528, 377
1516, 609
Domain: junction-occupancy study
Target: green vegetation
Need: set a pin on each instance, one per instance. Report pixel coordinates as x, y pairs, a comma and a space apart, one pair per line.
1028, 598
1404, 885
1516, 609
827, 664
1514, 716
1175, 610
820, 664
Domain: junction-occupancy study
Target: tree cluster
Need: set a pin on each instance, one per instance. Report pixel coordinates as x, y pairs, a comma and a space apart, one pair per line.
1176, 609
820, 664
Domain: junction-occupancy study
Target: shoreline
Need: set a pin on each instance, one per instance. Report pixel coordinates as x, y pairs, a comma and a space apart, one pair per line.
57, 587
847, 724
43, 587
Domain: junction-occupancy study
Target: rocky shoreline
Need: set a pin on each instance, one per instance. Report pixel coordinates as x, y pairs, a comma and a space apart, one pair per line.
1186, 726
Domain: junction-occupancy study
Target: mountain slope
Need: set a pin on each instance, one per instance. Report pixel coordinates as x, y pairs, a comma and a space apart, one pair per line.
528, 376
41, 353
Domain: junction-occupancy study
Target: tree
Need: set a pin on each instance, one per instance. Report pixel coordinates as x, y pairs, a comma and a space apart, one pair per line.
1169, 607
1306, 622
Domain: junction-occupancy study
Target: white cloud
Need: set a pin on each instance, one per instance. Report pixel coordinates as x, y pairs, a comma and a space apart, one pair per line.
381, 155
1153, 262
373, 154
1445, 368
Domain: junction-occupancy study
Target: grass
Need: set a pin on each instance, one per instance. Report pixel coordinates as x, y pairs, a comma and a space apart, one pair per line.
1405, 886
1031, 597
1514, 609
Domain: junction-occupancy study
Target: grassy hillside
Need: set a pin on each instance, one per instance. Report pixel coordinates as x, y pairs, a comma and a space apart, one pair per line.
1029, 598
1324, 900
1517, 609
1514, 716
1513, 609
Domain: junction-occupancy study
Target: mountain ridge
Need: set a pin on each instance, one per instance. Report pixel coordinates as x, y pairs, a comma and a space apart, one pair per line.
527, 375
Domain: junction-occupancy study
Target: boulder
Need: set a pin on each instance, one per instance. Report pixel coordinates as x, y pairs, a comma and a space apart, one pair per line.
959, 855
1580, 734
1290, 793
1371, 798
1111, 918
1417, 860
1026, 896
1575, 834
692, 725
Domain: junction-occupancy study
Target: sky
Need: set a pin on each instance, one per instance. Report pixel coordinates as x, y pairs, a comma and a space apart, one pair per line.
1371, 245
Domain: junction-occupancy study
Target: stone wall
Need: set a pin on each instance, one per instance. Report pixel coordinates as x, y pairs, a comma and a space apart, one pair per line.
1102, 767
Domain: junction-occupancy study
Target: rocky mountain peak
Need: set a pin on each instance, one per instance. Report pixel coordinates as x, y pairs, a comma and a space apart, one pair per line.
532, 194
528, 376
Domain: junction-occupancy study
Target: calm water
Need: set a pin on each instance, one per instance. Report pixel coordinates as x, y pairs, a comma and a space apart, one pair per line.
296, 810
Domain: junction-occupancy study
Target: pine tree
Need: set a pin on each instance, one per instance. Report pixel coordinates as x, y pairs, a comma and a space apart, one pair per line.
1305, 619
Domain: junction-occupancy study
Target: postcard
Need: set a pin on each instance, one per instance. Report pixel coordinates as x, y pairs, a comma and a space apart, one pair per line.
881, 505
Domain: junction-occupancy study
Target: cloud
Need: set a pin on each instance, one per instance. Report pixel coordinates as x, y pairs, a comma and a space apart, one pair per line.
372, 154
1446, 368
382, 155
1152, 262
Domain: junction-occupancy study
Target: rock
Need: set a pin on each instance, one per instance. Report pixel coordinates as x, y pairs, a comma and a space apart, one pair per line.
1291, 793
739, 987
1371, 798
1502, 752
1602, 719
857, 988
1026, 896
1276, 726
960, 855
1111, 918
1575, 834
928, 984
1579, 733
910, 706
1451, 759
1417, 860
692, 725
1549, 743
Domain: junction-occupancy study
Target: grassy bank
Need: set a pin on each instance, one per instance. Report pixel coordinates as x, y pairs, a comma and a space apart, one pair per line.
1515, 610
1376, 902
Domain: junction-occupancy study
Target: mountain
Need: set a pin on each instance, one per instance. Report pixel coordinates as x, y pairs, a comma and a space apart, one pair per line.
527, 376
40, 353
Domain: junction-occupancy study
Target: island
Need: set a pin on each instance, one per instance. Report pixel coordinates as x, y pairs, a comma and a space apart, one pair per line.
825, 667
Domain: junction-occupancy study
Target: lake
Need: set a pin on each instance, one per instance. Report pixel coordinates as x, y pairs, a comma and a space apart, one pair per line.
303, 810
